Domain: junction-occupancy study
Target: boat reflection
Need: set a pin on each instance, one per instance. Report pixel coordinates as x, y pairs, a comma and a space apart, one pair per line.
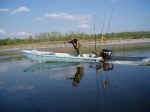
80, 73
105, 66
41, 67
77, 74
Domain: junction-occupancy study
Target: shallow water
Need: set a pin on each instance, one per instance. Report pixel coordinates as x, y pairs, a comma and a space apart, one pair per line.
27, 86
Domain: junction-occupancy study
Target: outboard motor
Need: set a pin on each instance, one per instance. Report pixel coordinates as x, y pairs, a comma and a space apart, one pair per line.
106, 53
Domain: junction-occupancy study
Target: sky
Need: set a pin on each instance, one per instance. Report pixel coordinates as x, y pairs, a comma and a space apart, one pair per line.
20, 18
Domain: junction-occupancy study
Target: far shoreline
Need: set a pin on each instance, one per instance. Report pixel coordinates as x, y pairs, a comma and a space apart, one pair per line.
63, 46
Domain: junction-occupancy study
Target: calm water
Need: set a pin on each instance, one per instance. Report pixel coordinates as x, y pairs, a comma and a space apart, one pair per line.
116, 86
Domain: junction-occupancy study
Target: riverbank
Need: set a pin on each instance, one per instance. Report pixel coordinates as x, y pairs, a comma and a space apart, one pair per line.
84, 43
62, 46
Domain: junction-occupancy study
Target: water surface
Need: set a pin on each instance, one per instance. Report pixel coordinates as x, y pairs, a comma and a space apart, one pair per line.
122, 86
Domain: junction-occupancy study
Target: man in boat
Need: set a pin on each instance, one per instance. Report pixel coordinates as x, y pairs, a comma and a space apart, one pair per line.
75, 44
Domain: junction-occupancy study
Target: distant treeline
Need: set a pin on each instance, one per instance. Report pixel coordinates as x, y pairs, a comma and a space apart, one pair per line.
129, 35
56, 36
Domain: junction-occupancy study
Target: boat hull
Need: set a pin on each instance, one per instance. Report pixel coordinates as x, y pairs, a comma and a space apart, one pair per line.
54, 57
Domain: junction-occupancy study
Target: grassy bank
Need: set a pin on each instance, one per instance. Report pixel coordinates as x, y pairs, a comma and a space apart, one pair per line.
86, 50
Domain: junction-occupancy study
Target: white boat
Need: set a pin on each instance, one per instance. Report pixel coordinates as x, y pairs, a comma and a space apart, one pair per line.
64, 57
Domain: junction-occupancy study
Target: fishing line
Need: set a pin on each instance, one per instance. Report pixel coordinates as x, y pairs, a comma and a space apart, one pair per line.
110, 19
94, 36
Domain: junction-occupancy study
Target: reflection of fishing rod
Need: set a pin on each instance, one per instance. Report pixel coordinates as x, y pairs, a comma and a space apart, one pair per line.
99, 85
98, 90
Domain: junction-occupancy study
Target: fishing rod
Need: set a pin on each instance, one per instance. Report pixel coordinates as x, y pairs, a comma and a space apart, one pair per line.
103, 25
94, 36
110, 19
90, 39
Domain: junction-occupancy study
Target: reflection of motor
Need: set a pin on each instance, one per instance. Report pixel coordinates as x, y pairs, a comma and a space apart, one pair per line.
107, 66
106, 53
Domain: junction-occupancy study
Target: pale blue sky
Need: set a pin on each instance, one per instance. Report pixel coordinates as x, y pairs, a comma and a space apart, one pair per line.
25, 17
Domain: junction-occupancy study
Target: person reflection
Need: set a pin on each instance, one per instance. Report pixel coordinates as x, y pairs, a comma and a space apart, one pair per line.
98, 67
78, 76
106, 84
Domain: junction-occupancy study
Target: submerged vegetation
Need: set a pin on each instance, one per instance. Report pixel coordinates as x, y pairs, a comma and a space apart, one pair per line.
56, 36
